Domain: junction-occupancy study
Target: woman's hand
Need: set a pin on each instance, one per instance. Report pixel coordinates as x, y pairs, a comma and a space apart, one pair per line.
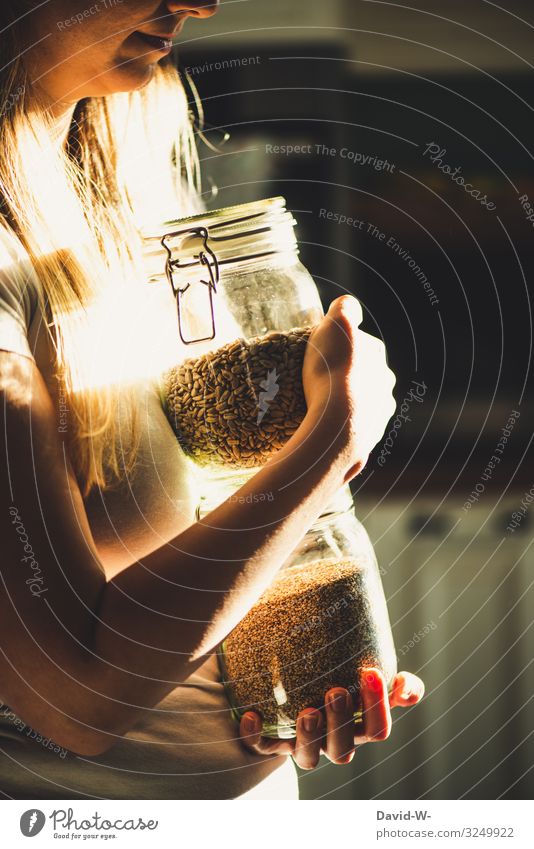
347, 380
332, 733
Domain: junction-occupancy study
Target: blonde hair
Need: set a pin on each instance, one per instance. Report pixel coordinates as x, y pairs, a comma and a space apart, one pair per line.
125, 153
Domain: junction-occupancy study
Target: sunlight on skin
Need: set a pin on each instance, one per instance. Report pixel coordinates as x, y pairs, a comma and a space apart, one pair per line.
83, 55
102, 53
129, 336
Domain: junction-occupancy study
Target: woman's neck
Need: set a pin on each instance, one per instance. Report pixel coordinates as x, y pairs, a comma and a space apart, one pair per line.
61, 125
58, 114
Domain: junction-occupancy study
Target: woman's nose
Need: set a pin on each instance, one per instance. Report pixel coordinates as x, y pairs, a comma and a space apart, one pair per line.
197, 8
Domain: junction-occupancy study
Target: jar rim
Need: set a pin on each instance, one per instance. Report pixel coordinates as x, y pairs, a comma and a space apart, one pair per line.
225, 216
240, 212
234, 233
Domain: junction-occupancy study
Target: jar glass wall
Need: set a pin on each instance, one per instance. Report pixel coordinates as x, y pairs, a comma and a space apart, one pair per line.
245, 309
322, 620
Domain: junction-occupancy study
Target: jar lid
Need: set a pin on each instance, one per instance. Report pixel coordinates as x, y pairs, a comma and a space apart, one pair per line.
201, 246
234, 234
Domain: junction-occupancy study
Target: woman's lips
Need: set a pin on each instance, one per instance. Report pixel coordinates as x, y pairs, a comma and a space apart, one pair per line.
156, 42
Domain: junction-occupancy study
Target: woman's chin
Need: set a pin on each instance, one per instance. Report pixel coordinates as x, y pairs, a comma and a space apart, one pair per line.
130, 77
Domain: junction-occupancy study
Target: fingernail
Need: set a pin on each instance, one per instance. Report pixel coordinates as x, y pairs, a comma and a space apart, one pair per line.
339, 702
310, 722
249, 723
372, 681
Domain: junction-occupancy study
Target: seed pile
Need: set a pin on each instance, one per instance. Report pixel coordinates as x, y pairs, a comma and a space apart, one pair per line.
310, 631
239, 404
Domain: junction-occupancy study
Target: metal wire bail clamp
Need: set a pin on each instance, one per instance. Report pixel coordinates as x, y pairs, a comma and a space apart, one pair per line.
208, 259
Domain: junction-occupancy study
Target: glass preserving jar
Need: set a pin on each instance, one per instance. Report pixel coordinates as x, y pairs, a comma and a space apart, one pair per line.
245, 307
322, 619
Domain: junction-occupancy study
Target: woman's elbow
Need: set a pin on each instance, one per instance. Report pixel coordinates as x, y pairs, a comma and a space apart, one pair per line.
89, 738
88, 745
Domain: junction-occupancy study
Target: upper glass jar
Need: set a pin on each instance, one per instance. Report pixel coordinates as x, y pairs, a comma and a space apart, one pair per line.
245, 308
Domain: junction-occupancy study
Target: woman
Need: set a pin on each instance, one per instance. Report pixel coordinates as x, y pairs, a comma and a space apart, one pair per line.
110, 615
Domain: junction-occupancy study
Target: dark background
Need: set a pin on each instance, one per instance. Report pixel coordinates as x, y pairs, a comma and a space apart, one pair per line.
385, 80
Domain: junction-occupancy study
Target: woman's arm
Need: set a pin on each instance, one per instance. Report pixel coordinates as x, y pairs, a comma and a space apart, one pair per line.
80, 657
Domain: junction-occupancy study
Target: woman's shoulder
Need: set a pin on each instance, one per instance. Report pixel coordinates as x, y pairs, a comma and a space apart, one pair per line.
18, 281
19, 300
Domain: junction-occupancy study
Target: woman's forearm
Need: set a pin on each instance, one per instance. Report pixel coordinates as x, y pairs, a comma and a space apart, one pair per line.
160, 617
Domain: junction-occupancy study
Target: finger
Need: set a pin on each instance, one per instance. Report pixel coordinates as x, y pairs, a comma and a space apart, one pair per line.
309, 738
357, 468
250, 733
375, 706
339, 726
408, 689
348, 306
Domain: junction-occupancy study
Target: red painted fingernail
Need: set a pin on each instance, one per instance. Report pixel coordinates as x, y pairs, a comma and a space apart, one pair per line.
249, 723
373, 682
310, 722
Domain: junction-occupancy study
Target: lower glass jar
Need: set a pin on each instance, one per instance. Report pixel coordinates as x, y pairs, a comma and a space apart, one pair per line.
323, 618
